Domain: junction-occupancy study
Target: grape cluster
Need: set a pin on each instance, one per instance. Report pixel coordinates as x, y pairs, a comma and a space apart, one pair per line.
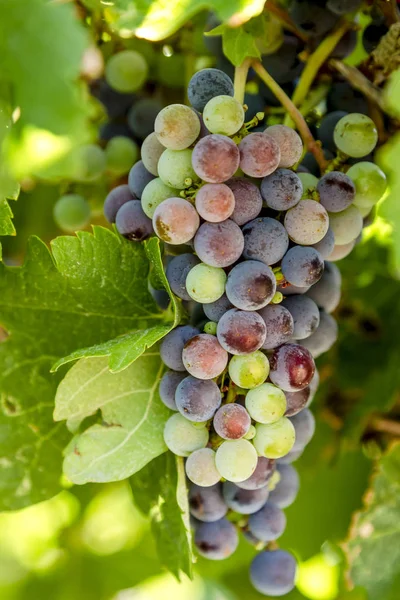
250, 249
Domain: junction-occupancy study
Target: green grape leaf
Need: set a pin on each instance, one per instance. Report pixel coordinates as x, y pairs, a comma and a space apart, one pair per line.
159, 489
373, 547
238, 44
155, 19
129, 433
124, 350
91, 288
9, 189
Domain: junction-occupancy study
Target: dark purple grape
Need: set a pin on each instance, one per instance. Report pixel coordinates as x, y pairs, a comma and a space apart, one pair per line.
305, 315
290, 457
115, 199
346, 45
115, 103
207, 503
266, 240
342, 96
284, 65
142, 115
177, 271
268, 523
272, 573
138, 178
168, 384
323, 337
302, 266
292, 367
373, 34
296, 401
197, 399
251, 285
309, 161
327, 127
241, 332
215, 310
132, 223
172, 346
217, 540
160, 297
288, 486
215, 158
304, 425
282, 189
261, 476
326, 245
231, 421
279, 323
255, 104
219, 244
336, 191
243, 501
204, 357
326, 292
248, 201
312, 17
207, 84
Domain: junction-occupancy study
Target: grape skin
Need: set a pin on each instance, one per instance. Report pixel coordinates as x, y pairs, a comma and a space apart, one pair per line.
355, 135
309, 183
204, 357
172, 346
241, 332
219, 244
265, 240
177, 271
251, 285
272, 573
196, 399
205, 284
150, 152
215, 158
175, 168
200, 468
274, 440
231, 421
132, 223
326, 292
154, 193
302, 266
268, 523
138, 178
248, 200
142, 115
289, 142
71, 212
266, 403
168, 384
282, 189
236, 460
287, 488
177, 126
217, 540
250, 370
323, 337
370, 182
336, 191
326, 245
292, 367
305, 315
175, 221
304, 425
341, 251
296, 401
243, 501
346, 225
121, 153
259, 155
215, 310
307, 223
279, 324
207, 84
207, 503
182, 437
215, 202
224, 115
261, 475
327, 127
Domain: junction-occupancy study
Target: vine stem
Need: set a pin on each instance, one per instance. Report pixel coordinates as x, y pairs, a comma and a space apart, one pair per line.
240, 79
294, 113
315, 62
386, 426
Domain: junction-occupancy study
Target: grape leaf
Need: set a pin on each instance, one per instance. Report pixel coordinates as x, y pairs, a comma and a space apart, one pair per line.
124, 350
91, 288
373, 548
160, 490
130, 431
9, 189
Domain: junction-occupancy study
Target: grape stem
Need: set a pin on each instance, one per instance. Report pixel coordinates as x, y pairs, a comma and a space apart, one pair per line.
386, 426
284, 18
294, 113
240, 79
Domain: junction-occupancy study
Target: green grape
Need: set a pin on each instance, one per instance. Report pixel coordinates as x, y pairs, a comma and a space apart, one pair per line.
205, 284
250, 370
175, 168
223, 114
126, 71
201, 468
71, 212
177, 126
355, 135
88, 162
266, 403
309, 182
210, 327
151, 151
276, 439
346, 225
182, 438
121, 154
154, 193
236, 460
370, 182
251, 433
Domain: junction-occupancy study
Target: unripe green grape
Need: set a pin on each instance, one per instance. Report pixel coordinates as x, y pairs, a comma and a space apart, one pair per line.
276, 439
126, 71
370, 182
154, 193
71, 213
223, 114
175, 168
355, 135
182, 438
205, 284
346, 225
236, 460
309, 182
266, 403
250, 370
87, 162
210, 327
177, 126
121, 154
151, 151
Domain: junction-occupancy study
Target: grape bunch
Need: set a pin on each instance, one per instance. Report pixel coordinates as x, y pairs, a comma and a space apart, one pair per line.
250, 246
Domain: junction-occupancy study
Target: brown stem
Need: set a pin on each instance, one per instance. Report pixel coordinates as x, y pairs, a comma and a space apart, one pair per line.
390, 11
385, 426
294, 112
284, 18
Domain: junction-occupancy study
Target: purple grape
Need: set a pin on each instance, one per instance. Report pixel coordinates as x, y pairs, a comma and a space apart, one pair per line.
168, 384
268, 523
326, 245
241, 332
279, 323
302, 266
336, 191
288, 486
175, 221
204, 357
272, 573
323, 337
215, 158
132, 223
217, 540
197, 399
289, 143
251, 285
219, 244
231, 421
177, 271
259, 154
266, 240
207, 84
292, 367
327, 127
304, 425
296, 401
290, 457
312, 17
138, 178
115, 199
261, 476
243, 501
305, 315
283, 65
326, 292
207, 503
248, 201
282, 189
172, 346
215, 310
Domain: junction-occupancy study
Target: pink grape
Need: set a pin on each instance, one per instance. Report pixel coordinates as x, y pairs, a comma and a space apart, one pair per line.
219, 244
241, 332
215, 202
231, 421
175, 221
259, 155
291, 367
204, 357
215, 158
